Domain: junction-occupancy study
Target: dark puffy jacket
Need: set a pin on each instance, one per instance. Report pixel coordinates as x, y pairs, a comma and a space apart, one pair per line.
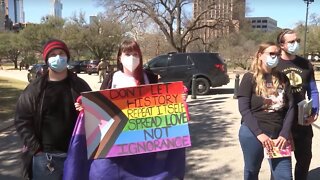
29, 112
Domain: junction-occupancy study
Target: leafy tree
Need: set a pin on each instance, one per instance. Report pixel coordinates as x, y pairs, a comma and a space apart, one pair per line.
237, 49
34, 36
10, 47
313, 34
102, 37
73, 34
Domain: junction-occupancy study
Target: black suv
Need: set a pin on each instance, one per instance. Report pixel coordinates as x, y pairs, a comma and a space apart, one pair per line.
78, 66
92, 67
208, 68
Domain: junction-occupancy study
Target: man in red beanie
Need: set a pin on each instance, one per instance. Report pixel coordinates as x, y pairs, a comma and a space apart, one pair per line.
45, 115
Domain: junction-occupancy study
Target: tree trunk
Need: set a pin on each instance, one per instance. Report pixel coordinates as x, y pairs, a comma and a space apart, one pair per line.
15, 64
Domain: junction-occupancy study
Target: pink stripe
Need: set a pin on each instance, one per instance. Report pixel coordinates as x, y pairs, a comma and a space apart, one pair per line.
101, 125
123, 150
97, 130
94, 112
92, 136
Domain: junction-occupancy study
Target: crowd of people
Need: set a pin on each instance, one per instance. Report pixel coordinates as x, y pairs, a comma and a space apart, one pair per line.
47, 111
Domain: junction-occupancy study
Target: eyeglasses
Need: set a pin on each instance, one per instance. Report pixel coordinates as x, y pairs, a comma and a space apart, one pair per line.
273, 54
296, 40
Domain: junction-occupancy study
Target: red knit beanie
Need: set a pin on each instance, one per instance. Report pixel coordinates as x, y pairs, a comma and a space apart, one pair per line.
52, 45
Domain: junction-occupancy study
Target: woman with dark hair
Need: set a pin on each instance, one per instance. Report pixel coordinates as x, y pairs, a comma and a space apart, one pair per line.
156, 165
267, 110
130, 71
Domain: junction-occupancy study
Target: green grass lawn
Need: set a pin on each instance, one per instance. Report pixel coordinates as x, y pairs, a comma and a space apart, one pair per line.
10, 89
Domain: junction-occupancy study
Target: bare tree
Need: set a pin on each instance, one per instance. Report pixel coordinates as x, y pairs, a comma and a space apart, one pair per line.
314, 19
171, 16
154, 44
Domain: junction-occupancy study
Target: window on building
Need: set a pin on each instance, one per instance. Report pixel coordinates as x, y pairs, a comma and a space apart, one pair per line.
253, 26
253, 21
264, 21
258, 26
258, 21
264, 26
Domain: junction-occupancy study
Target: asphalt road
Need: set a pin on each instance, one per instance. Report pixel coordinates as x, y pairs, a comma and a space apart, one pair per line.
215, 153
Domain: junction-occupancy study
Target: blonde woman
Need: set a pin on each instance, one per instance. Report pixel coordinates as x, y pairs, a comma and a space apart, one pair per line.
266, 107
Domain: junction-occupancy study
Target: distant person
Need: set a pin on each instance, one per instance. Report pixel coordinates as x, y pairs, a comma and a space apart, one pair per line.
267, 110
301, 75
21, 65
102, 68
45, 115
27, 66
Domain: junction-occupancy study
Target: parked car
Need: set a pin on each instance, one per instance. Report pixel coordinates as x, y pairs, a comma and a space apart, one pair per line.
30, 67
209, 69
36, 71
92, 67
83, 65
74, 66
78, 66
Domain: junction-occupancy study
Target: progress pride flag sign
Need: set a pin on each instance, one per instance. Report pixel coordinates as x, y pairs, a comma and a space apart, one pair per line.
135, 120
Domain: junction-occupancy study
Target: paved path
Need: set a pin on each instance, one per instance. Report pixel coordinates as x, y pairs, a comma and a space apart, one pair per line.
215, 153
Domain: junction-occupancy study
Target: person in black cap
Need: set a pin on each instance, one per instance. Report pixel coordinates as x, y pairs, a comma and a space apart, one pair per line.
45, 114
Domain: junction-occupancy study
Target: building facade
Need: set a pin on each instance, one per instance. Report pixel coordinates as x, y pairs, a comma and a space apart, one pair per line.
20, 11
265, 24
228, 14
57, 8
11, 13
15, 11
93, 19
2, 15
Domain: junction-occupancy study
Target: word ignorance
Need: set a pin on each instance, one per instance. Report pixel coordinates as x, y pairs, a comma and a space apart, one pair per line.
153, 146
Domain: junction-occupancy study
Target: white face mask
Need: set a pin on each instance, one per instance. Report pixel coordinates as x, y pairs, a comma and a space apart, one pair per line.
272, 62
293, 48
130, 62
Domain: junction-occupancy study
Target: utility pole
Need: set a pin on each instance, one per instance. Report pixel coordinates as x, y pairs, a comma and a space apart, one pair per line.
306, 27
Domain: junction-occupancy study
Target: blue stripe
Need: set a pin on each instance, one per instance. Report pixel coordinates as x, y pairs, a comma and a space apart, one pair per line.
313, 94
139, 135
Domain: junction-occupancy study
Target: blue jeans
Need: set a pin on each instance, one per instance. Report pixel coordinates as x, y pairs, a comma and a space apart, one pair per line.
48, 166
253, 155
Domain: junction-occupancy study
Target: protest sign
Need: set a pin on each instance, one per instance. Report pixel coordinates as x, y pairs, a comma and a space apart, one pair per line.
135, 120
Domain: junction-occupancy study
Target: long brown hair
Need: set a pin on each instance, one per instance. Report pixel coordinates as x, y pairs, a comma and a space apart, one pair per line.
129, 46
282, 33
258, 73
